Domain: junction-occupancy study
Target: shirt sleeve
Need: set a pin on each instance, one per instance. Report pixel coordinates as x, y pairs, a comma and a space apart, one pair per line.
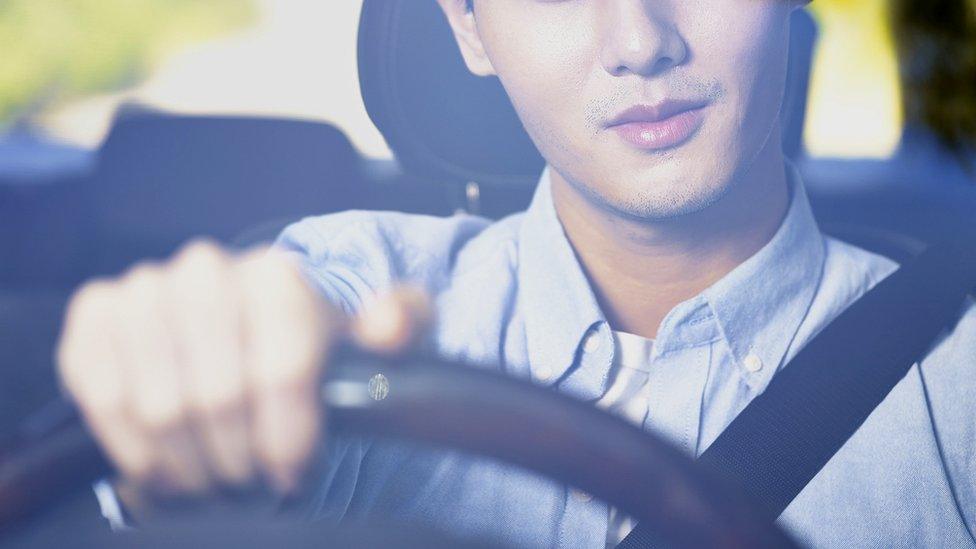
340, 256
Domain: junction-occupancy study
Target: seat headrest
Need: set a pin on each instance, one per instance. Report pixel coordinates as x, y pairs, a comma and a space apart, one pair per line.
447, 125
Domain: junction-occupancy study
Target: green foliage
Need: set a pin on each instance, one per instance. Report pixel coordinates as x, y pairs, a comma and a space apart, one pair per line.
937, 44
52, 50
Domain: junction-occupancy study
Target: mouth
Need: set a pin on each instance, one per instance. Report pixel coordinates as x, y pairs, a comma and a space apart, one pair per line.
661, 126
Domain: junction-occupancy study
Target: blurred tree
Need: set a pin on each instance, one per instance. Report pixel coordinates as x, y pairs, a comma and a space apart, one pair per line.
855, 104
936, 41
57, 49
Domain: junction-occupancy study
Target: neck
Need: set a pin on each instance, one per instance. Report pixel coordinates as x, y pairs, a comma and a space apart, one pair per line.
641, 269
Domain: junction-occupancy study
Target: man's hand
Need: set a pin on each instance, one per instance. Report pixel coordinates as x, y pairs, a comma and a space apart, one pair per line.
202, 372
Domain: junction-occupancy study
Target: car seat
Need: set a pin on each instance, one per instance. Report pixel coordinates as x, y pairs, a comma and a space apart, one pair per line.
161, 179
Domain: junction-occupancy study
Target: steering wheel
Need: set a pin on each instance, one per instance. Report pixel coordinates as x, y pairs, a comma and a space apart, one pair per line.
450, 404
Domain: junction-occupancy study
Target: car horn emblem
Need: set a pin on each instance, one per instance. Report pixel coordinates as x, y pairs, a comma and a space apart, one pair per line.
379, 387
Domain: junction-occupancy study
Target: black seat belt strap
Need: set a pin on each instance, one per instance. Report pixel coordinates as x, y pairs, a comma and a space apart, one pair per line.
779, 442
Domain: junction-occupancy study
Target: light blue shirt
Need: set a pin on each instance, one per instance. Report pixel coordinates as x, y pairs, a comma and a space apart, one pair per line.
511, 295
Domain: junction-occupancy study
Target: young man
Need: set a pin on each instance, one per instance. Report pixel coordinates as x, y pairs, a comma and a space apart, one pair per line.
667, 268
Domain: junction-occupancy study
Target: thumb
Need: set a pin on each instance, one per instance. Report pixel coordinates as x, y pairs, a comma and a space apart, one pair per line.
393, 321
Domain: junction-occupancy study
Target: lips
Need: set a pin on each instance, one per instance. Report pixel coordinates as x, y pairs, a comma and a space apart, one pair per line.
662, 126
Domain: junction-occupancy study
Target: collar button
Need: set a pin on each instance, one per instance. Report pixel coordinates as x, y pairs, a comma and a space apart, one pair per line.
591, 342
580, 495
752, 364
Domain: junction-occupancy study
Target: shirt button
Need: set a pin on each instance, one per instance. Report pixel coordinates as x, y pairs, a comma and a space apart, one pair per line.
591, 342
753, 364
543, 373
581, 495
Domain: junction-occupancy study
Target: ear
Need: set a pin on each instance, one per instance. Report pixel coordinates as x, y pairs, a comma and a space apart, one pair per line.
468, 37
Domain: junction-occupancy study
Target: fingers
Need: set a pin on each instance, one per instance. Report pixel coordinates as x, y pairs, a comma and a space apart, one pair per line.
177, 333
91, 372
151, 367
203, 311
288, 331
158, 362
204, 371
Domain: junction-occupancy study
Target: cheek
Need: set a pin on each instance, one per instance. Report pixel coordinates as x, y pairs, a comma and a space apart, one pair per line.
750, 62
740, 44
531, 40
544, 68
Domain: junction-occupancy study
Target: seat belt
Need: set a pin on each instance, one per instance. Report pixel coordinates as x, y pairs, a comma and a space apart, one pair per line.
785, 435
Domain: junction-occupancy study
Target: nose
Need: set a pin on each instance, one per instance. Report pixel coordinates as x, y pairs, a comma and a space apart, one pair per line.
640, 37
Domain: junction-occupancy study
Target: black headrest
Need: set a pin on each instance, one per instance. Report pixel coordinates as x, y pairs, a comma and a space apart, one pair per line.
162, 179
444, 124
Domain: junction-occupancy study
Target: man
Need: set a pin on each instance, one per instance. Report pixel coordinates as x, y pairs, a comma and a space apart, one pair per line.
667, 268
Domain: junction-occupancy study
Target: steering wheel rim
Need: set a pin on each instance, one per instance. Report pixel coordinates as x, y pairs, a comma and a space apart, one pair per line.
463, 407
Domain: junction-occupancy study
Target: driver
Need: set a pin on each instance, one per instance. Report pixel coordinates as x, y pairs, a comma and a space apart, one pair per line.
667, 267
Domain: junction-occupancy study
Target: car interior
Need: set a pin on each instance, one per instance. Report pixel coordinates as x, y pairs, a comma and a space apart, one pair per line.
160, 179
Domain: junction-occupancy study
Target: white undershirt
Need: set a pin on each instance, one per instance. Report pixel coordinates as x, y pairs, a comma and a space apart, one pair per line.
627, 396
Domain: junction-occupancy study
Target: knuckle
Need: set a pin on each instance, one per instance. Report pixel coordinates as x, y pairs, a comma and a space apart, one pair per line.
200, 252
93, 295
142, 271
198, 273
273, 270
142, 282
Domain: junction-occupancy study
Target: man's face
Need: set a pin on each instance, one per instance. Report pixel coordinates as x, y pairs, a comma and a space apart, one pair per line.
571, 67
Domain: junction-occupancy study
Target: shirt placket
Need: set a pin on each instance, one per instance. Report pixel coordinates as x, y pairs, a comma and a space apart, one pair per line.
585, 519
675, 390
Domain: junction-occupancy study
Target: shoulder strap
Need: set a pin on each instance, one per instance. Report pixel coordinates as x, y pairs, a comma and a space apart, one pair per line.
776, 445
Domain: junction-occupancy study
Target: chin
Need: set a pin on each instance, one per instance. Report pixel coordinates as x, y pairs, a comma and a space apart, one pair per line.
675, 202
668, 189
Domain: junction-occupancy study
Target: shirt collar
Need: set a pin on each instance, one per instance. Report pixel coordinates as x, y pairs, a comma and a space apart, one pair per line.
760, 304
757, 307
559, 306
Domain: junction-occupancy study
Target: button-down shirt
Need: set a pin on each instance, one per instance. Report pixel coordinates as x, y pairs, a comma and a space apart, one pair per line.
511, 295
628, 397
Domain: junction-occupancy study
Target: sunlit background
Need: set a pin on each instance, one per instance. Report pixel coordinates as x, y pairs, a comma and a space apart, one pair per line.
855, 105
68, 64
